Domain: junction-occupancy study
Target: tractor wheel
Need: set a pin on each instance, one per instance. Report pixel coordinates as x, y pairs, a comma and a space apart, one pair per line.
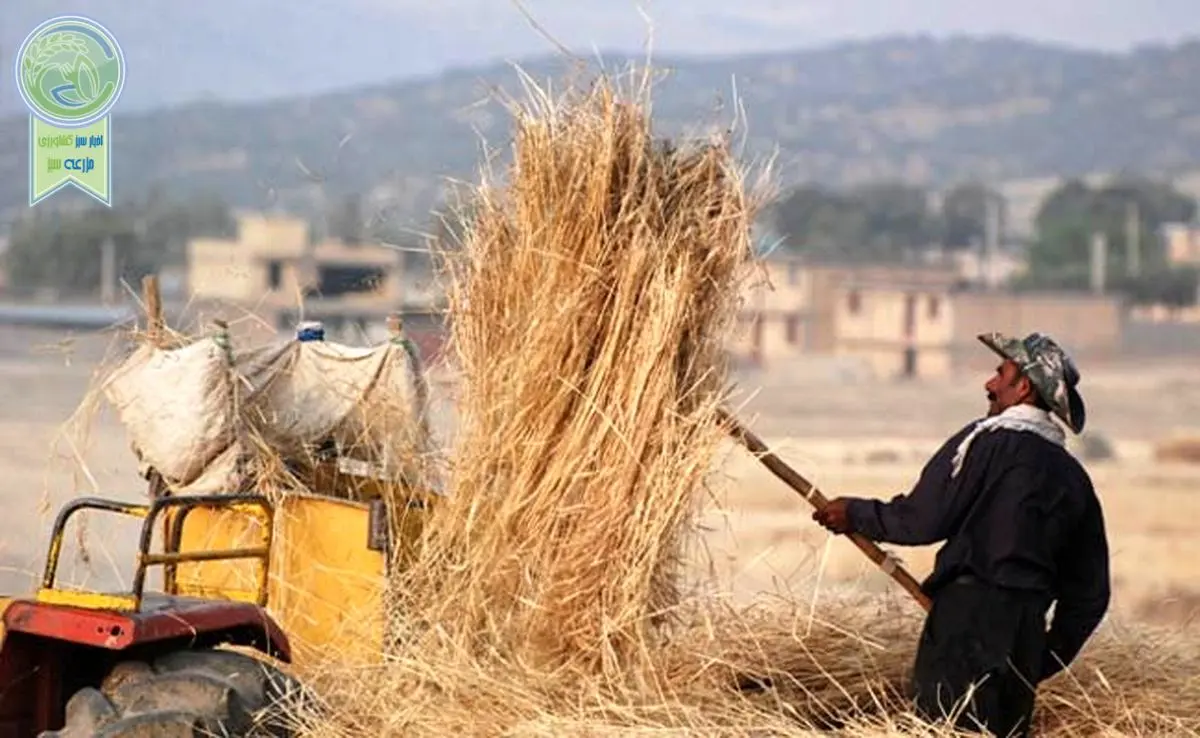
182, 694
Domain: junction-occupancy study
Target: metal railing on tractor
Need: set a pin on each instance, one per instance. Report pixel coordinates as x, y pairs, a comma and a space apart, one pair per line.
171, 557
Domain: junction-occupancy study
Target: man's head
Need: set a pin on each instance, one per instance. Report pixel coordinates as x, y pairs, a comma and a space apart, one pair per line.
1008, 387
1035, 371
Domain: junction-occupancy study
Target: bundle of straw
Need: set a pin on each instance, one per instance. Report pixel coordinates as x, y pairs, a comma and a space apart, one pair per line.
590, 301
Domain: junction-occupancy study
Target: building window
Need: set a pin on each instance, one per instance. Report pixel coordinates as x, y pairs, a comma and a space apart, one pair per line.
935, 306
792, 326
274, 274
338, 280
854, 302
910, 362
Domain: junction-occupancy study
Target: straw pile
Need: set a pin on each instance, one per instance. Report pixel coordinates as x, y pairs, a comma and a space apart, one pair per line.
590, 299
589, 302
841, 672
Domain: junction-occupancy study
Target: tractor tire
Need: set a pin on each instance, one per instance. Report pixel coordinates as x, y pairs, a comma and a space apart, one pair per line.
185, 694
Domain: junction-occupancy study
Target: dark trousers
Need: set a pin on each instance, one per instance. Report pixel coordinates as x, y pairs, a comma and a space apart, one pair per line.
979, 657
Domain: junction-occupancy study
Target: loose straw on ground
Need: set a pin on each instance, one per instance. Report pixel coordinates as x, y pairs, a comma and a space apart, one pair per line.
845, 676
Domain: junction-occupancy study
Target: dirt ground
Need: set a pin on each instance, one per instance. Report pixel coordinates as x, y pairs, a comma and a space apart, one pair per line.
850, 436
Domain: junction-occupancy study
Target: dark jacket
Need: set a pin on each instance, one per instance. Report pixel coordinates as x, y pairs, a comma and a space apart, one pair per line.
1021, 514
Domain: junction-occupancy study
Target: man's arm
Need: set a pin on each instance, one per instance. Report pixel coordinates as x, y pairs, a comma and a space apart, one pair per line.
925, 514
1083, 593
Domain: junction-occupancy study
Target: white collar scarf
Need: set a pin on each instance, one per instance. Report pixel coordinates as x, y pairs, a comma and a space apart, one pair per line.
1018, 417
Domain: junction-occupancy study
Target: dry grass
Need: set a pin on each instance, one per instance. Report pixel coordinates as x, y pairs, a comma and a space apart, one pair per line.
773, 669
590, 299
1145, 684
590, 304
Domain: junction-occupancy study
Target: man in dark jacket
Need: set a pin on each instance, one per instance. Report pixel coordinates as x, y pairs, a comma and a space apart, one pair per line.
1022, 528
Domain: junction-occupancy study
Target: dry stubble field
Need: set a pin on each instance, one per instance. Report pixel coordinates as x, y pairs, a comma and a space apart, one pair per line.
850, 437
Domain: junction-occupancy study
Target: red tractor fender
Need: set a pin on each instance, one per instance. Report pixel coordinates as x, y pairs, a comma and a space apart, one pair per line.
180, 621
41, 639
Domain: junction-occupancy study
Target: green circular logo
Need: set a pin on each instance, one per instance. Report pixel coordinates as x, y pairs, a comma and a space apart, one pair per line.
70, 71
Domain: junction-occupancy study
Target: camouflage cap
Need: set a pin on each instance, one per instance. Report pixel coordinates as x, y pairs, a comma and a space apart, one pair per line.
1049, 368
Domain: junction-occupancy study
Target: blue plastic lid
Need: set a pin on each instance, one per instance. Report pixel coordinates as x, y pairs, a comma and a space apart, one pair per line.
312, 330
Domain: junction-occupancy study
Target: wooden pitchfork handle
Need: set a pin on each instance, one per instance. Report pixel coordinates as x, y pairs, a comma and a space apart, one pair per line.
806, 490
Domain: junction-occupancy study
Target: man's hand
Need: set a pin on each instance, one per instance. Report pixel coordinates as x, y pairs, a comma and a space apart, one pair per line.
833, 516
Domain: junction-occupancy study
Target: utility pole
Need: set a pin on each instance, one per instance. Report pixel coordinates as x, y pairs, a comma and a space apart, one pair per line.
991, 240
1133, 235
108, 271
320, 232
1099, 261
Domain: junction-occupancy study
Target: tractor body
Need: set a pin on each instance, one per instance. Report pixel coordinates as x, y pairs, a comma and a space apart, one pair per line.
296, 577
59, 641
294, 581
51, 651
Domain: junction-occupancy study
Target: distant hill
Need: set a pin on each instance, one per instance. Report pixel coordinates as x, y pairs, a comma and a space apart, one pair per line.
925, 110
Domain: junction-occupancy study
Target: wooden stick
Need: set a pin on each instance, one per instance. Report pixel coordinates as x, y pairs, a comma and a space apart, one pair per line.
154, 311
154, 334
806, 490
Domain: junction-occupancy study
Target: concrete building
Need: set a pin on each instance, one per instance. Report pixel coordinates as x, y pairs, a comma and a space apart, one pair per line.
775, 317
917, 321
882, 314
897, 321
272, 262
274, 271
1091, 327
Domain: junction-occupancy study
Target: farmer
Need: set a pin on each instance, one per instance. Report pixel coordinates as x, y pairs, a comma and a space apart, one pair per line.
1023, 528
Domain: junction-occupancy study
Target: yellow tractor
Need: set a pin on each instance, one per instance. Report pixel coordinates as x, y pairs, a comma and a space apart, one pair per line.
292, 576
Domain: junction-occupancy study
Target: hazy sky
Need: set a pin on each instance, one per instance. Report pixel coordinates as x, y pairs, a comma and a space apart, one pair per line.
179, 49
747, 25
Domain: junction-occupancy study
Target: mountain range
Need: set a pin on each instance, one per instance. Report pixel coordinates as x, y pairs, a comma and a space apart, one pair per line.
245, 50
928, 110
